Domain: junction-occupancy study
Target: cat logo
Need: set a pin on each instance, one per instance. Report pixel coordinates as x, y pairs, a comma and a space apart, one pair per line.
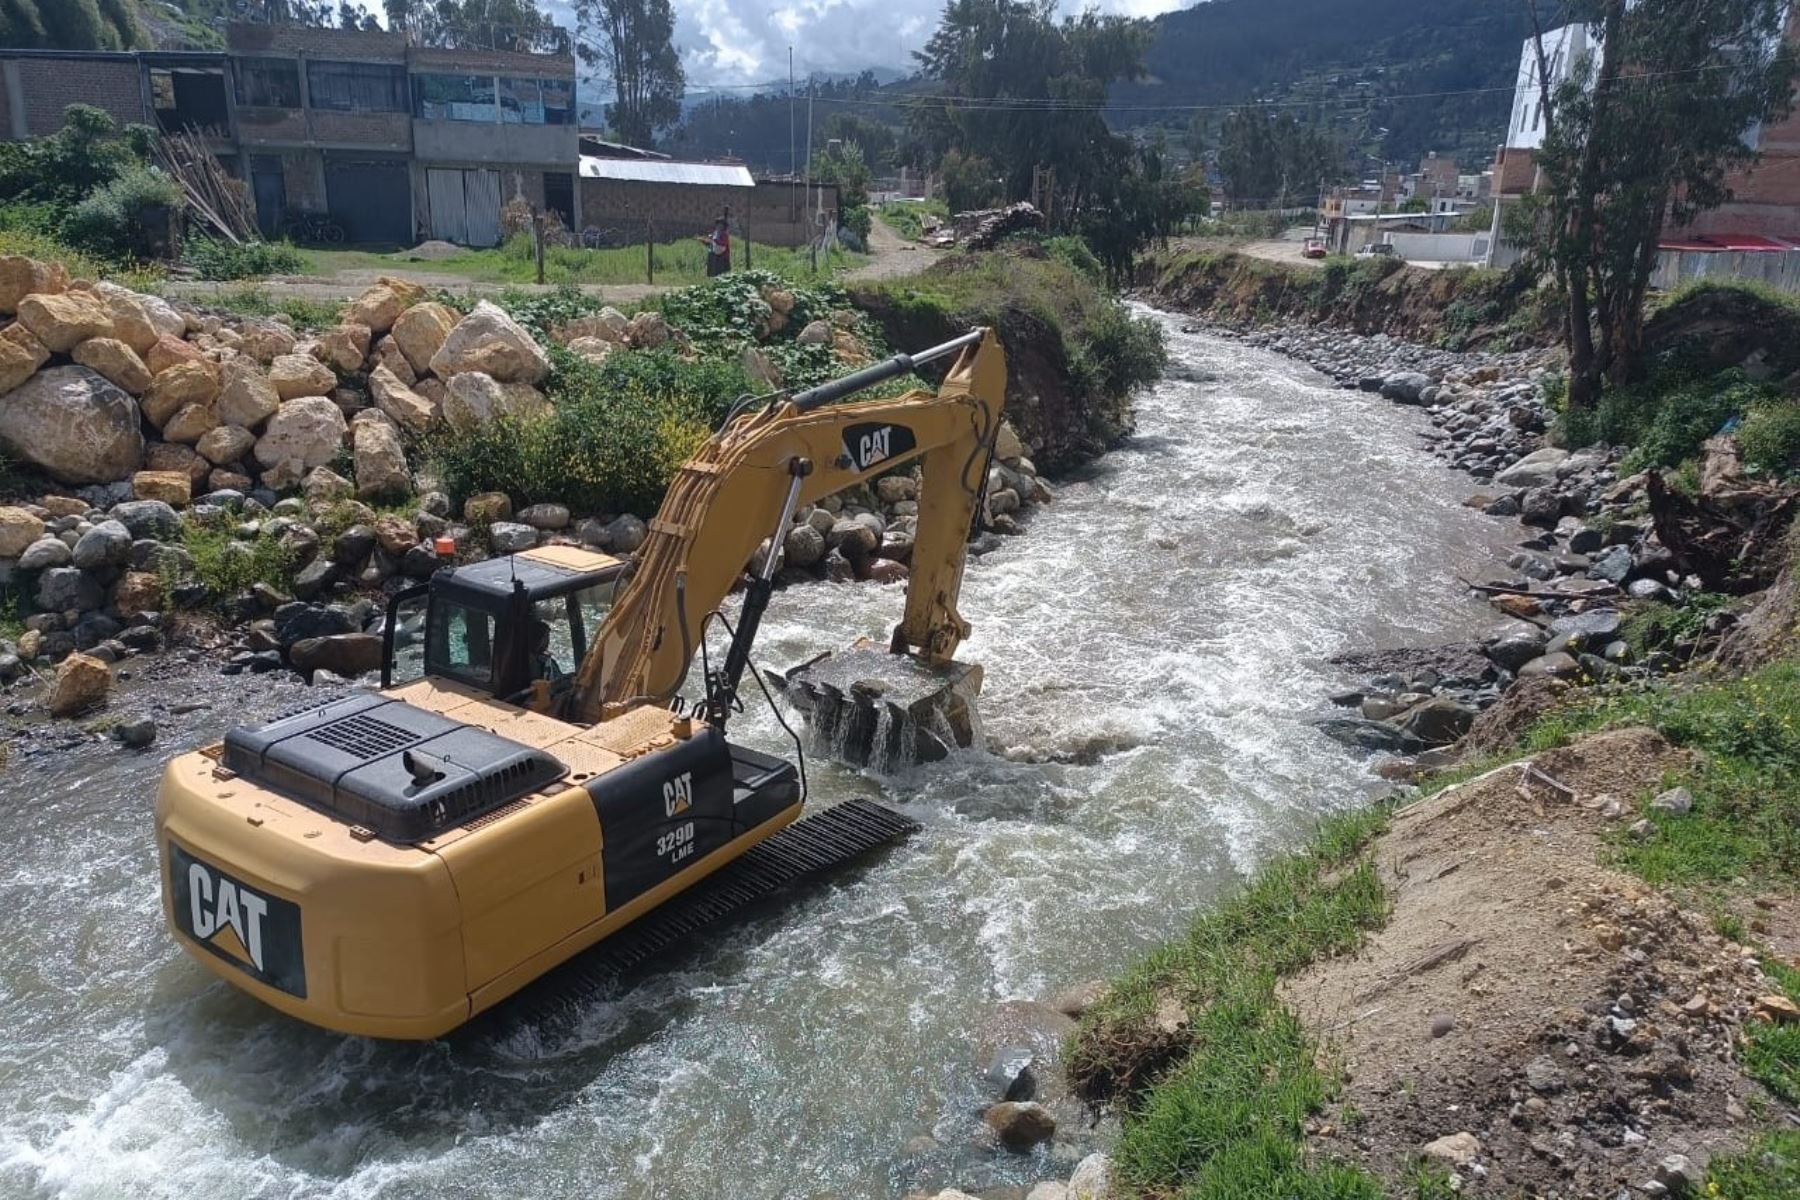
678, 794
868, 444
227, 915
254, 931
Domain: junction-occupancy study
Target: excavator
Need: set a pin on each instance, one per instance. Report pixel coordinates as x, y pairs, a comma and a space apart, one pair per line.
393, 863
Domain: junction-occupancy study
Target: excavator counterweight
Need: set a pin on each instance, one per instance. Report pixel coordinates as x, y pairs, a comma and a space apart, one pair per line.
394, 862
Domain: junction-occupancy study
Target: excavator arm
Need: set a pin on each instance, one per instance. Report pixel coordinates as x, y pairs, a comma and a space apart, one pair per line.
744, 485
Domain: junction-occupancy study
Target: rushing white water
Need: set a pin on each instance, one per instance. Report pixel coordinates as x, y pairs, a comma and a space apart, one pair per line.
1152, 648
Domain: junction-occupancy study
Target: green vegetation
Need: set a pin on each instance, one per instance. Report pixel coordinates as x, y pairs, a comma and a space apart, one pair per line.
1225, 1119
1667, 418
1772, 1049
681, 261
212, 258
1745, 823
907, 217
254, 302
226, 564
89, 185
1768, 1170
621, 428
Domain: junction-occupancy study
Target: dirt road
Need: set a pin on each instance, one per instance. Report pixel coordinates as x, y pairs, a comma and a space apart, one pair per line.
893, 256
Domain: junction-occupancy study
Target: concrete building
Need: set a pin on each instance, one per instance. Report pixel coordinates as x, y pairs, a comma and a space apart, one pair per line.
393, 142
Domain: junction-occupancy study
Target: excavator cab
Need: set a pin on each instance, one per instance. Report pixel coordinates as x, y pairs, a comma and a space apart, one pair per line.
485, 624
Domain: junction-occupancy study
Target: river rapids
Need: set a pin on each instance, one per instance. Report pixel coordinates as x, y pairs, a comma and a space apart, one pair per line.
1153, 649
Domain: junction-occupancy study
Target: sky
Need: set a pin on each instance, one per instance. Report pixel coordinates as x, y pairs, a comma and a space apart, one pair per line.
746, 41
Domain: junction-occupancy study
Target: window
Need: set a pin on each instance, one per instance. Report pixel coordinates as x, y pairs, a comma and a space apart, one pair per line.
461, 643
537, 101
356, 87
268, 83
454, 98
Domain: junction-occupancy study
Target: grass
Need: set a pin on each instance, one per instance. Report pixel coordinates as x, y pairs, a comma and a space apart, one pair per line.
907, 217
1218, 1111
1768, 1170
228, 565
1772, 1050
1745, 823
140, 277
251, 301
677, 262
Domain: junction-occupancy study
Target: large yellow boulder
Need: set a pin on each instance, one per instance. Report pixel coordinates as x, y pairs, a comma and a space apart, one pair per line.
296, 375
380, 306
115, 360
63, 320
183, 384
170, 350
174, 488
81, 683
21, 276
18, 529
420, 332
343, 348
21, 354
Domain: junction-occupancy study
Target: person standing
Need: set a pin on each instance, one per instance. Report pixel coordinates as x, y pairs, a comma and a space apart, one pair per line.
718, 249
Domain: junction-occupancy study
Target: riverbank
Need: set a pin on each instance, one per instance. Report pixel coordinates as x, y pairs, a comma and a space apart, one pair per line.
1398, 1040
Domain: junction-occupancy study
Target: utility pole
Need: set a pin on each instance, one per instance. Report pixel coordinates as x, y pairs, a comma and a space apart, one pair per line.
793, 156
810, 205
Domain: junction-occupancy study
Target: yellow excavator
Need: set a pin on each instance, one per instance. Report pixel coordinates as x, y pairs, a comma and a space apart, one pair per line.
393, 863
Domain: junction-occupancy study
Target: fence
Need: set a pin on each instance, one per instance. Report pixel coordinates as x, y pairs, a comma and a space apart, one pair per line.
1778, 268
1441, 247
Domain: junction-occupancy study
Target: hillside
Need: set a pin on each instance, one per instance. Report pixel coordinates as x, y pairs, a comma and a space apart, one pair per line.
1348, 60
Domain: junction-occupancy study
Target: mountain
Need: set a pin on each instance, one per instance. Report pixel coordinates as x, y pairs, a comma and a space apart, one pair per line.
1346, 62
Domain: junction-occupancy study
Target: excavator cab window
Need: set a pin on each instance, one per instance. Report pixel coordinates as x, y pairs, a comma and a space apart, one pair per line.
460, 642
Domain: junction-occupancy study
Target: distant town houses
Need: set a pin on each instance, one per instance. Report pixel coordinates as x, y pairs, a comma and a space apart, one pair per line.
391, 143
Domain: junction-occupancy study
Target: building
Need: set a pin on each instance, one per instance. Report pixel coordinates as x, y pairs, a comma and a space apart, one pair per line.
393, 142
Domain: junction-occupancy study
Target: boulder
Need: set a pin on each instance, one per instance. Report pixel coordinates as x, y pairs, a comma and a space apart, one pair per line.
21, 277
1373, 736
48, 551
246, 396
420, 331
484, 508
475, 398
758, 366
174, 488
1537, 469
817, 333
1613, 565
380, 306
804, 546
1455, 1149
626, 533
1516, 649
1439, 720
18, 529
131, 321
115, 360
62, 589
489, 341
267, 341
66, 319
170, 350
148, 518
609, 325
1677, 801
509, 537
107, 544
175, 387
21, 355
592, 349
1554, 666
648, 330
343, 348
406, 407
323, 486
395, 535
172, 456
74, 425
296, 375
380, 461
308, 431
1020, 1125
82, 683
1007, 446
1092, 1179
346, 654
190, 423
545, 516
1407, 387
386, 354
224, 444
138, 592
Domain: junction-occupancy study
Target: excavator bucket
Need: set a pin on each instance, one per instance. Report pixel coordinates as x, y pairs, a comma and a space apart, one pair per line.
870, 707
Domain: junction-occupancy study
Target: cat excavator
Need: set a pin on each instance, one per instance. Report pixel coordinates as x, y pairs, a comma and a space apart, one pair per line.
393, 863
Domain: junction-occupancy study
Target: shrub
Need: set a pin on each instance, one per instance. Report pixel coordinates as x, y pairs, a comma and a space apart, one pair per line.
1118, 352
212, 258
1770, 437
227, 565
112, 220
1665, 419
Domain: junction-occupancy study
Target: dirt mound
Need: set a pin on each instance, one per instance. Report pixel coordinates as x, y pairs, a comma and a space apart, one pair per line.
1576, 1023
1715, 326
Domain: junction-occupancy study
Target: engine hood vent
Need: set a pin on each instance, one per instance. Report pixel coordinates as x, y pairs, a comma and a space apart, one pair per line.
403, 772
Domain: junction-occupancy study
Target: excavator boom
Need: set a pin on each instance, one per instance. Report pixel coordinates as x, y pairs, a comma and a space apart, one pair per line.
738, 490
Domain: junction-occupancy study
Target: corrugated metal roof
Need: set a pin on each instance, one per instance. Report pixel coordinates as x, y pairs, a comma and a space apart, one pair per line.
643, 171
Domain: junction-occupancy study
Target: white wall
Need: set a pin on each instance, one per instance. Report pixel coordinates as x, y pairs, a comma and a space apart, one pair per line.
1562, 49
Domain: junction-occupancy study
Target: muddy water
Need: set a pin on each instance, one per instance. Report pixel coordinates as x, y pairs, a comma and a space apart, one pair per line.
1152, 650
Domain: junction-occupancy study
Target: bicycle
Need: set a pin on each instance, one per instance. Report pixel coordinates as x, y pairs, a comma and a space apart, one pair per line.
316, 229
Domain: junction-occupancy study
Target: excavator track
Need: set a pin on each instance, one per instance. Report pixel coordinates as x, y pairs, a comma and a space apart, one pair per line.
806, 849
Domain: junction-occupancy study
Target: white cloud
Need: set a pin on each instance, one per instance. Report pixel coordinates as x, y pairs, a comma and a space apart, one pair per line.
746, 41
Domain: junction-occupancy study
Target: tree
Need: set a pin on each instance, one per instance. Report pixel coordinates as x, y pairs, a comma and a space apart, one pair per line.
633, 42
516, 25
69, 25
1034, 89
844, 165
1645, 135
970, 181
1271, 160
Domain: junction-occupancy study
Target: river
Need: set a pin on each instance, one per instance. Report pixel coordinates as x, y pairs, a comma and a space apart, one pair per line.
1153, 649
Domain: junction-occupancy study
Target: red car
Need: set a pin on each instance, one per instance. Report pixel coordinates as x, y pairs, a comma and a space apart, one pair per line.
1314, 248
